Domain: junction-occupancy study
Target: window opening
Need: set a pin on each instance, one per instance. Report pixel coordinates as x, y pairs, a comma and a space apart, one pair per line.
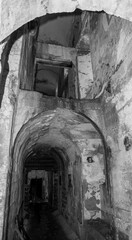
51, 78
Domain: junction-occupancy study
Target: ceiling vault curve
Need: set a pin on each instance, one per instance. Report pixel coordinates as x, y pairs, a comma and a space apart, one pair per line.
17, 13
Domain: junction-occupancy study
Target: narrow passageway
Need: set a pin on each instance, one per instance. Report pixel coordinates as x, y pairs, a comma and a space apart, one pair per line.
54, 168
41, 225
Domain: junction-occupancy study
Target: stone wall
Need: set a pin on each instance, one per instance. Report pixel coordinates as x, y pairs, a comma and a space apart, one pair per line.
6, 114
30, 105
111, 45
15, 14
57, 137
85, 75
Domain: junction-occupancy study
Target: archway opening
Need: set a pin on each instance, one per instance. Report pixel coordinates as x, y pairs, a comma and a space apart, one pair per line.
64, 150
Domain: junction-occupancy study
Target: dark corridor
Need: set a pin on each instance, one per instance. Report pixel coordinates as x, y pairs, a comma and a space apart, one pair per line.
36, 188
40, 224
52, 154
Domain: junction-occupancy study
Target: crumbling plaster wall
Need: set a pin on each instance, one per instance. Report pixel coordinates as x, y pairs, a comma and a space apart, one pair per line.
6, 114
15, 14
79, 139
111, 45
85, 75
112, 104
30, 103
93, 173
60, 123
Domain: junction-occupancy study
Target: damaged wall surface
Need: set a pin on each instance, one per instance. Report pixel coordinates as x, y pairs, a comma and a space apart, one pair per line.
15, 14
66, 131
85, 75
107, 70
30, 103
111, 44
6, 115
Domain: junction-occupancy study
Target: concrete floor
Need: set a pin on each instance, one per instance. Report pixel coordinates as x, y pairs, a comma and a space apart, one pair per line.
41, 225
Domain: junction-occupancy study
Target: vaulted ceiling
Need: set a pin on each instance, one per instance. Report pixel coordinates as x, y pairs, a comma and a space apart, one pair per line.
57, 136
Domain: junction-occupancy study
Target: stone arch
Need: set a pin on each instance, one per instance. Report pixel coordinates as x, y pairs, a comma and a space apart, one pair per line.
29, 12
71, 139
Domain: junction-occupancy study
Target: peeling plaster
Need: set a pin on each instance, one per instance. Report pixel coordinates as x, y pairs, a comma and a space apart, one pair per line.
85, 75
110, 49
93, 176
27, 12
6, 114
64, 130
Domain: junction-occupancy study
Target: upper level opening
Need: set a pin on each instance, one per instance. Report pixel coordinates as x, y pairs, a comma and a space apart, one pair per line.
49, 58
52, 78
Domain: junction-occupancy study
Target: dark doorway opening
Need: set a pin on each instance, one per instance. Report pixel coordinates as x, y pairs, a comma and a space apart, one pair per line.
51, 78
36, 188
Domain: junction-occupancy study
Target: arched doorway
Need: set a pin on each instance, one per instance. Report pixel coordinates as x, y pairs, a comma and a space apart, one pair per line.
69, 147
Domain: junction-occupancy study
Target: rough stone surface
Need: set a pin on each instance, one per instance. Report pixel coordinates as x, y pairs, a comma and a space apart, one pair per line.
85, 75
65, 131
111, 63
111, 44
31, 103
15, 14
6, 113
